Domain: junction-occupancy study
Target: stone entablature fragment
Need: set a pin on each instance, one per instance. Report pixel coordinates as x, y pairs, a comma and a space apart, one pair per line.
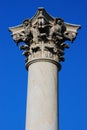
44, 37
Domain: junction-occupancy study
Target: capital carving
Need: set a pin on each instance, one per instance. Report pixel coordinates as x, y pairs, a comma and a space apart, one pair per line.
44, 37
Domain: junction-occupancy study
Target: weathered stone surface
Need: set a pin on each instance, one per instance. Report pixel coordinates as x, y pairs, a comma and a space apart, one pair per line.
44, 37
42, 97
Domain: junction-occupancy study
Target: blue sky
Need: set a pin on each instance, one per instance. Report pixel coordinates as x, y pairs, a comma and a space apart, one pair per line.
72, 77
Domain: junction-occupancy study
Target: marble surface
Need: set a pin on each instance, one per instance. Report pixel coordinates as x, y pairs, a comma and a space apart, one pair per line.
42, 97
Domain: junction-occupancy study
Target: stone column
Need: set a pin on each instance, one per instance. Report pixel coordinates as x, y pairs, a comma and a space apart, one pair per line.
42, 97
44, 38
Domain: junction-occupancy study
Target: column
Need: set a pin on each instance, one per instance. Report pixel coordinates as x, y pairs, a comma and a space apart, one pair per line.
44, 38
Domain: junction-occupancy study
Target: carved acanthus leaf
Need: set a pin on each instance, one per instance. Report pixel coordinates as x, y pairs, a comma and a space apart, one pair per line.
44, 36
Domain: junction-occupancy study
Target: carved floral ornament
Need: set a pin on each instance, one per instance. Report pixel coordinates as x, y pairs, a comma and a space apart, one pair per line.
44, 37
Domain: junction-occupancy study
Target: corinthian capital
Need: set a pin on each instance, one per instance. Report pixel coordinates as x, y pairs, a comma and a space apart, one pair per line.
44, 37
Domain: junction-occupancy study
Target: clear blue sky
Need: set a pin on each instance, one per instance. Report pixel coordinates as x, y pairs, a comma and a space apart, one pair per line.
72, 77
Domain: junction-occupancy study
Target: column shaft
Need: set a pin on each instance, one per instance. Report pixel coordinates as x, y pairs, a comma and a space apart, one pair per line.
42, 97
